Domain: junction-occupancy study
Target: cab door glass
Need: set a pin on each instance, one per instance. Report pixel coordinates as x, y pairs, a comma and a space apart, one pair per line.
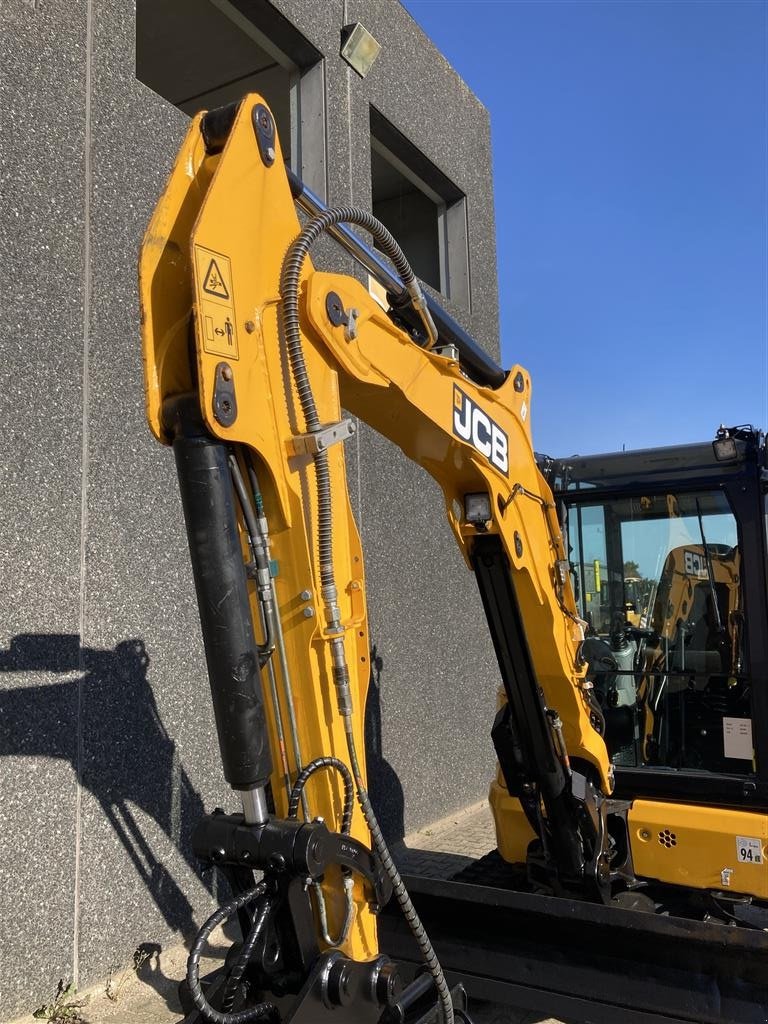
666, 629
589, 557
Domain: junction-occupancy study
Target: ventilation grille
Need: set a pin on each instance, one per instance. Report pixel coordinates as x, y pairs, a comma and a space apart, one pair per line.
667, 838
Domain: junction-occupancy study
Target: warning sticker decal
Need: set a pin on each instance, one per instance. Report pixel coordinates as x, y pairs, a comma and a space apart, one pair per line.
214, 282
215, 304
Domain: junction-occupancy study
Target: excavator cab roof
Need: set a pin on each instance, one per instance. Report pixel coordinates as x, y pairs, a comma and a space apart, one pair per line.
678, 463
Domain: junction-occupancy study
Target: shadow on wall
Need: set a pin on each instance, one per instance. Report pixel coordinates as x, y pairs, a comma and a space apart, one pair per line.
127, 757
384, 787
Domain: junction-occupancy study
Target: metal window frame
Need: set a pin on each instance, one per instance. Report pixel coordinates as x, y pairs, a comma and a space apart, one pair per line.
309, 134
449, 200
276, 36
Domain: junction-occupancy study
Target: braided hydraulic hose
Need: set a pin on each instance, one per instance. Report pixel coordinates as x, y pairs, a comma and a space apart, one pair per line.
193, 964
297, 794
398, 885
289, 290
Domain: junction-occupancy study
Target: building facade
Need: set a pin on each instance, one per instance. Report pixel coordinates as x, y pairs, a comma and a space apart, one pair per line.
107, 745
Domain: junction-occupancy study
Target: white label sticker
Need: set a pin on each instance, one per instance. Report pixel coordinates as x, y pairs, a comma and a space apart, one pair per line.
749, 851
737, 738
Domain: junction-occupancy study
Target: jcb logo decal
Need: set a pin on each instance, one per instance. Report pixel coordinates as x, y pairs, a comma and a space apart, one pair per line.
471, 424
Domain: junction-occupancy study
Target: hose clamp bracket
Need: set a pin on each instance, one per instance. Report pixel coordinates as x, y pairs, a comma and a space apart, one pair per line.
321, 440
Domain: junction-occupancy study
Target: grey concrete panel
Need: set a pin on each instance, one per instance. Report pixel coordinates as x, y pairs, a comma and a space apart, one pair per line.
41, 268
151, 762
41, 284
436, 674
38, 752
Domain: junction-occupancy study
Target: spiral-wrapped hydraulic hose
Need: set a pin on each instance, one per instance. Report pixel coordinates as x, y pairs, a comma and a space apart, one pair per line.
289, 290
253, 1013
308, 771
296, 794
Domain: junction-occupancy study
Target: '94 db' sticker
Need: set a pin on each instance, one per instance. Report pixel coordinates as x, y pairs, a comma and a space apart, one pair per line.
749, 851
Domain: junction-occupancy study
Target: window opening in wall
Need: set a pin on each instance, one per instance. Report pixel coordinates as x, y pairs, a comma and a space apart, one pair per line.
422, 208
200, 54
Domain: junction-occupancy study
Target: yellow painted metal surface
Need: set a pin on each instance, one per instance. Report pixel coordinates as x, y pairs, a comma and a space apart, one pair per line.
513, 830
210, 269
233, 212
700, 847
165, 278
410, 396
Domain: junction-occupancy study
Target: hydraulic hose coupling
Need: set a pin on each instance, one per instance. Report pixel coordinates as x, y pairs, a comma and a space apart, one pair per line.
419, 303
264, 581
341, 678
332, 610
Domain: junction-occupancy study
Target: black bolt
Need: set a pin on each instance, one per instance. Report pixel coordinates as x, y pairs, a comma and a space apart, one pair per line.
518, 545
518, 382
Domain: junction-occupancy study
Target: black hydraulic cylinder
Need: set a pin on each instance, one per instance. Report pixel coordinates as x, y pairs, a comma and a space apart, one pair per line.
225, 613
521, 731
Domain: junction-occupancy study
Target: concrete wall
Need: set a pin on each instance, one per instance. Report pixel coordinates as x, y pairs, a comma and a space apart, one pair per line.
107, 747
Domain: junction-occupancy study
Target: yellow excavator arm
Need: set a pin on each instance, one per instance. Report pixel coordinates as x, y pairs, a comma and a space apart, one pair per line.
251, 356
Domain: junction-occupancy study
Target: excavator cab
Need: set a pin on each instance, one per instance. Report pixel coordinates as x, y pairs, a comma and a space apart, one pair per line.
677, 537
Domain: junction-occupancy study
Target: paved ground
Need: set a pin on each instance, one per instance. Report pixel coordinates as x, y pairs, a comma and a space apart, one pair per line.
449, 845
149, 995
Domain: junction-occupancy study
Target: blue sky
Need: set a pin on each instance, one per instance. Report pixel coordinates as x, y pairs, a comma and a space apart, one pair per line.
631, 182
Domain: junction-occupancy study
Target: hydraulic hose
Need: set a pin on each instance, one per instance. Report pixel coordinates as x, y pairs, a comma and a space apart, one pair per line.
297, 794
260, 558
349, 790
404, 901
224, 912
244, 957
289, 291
281, 654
